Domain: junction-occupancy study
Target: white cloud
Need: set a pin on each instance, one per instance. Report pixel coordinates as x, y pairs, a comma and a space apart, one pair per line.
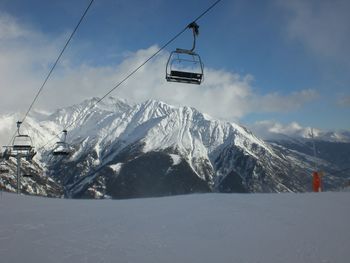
10, 29
25, 57
223, 94
322, 26
270, 129
275, 102
24, 64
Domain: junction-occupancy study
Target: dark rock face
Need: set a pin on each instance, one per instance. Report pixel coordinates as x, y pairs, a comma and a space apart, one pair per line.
337, 153
232, 183
141, 175
153, 174
301, 163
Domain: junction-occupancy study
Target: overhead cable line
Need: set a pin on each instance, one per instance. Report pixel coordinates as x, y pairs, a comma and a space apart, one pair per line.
55, 64
140, 66
157, 52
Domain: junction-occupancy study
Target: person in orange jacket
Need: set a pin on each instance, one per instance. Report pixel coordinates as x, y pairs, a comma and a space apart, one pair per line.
316, 182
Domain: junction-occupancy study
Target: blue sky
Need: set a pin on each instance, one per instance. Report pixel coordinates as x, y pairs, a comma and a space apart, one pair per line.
283, 61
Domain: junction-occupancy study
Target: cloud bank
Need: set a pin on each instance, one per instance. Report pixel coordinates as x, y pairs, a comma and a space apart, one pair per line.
271, 130
26, 56
321, 26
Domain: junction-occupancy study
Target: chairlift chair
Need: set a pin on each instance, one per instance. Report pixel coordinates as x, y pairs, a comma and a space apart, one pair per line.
62, 148
21, 142
185, 66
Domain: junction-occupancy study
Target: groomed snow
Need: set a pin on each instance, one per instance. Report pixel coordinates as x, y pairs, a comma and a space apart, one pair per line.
193, 228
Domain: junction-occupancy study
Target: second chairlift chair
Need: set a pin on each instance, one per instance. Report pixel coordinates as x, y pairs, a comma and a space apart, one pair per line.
62, 147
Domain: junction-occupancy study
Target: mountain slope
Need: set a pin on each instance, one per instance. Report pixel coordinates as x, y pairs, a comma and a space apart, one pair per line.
154, 149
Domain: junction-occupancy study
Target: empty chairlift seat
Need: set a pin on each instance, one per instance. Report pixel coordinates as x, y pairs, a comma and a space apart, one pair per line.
22, 143
62, 148
184, 67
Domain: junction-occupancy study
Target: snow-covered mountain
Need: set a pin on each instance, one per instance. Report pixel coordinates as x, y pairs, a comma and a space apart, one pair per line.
271, 130
151, 149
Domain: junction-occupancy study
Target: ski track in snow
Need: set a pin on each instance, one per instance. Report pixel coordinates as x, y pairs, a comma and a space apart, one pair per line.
193, 228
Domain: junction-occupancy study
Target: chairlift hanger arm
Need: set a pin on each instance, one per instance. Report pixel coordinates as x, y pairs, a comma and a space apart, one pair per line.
195, 30
18, 127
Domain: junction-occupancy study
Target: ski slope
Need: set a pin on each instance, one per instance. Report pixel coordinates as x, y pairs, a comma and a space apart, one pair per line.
193, 228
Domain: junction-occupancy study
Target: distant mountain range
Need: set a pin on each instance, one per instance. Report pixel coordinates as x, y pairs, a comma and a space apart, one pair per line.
122, 150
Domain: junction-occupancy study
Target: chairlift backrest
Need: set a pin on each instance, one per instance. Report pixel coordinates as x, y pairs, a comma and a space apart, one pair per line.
61, 153
62, 148
22, 143
185, 68
184, 51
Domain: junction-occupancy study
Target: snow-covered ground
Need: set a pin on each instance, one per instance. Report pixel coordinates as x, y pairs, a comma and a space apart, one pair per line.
193, 228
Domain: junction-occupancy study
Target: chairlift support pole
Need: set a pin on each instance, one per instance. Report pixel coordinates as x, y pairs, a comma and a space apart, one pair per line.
317, 175
18, 126
18, 163
314, 148
18, 173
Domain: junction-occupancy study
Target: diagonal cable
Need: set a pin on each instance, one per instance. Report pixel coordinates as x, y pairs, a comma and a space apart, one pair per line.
138, 68
54, 65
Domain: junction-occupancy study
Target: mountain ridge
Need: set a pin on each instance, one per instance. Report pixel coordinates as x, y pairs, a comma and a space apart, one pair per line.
143, 140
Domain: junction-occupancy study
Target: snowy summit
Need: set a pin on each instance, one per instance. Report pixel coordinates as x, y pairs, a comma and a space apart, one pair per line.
123, 150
